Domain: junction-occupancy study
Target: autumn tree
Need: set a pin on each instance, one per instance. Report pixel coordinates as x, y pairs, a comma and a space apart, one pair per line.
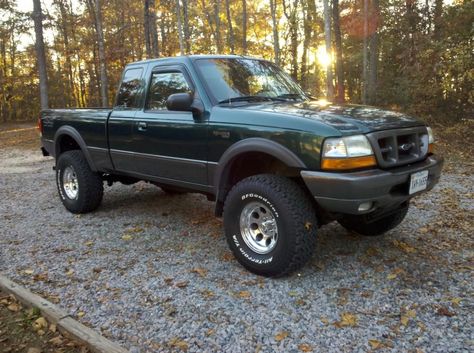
40, 53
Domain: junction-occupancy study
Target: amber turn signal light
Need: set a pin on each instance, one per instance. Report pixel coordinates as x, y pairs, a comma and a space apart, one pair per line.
348, 163
431, 148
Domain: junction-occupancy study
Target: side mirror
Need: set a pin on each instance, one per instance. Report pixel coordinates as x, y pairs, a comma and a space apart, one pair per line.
180, 102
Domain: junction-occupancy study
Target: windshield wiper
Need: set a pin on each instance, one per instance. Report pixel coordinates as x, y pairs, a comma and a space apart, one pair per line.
245, 99
290, 96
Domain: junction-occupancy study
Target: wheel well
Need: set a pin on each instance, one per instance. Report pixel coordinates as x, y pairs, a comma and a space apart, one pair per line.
248, 164
66, 143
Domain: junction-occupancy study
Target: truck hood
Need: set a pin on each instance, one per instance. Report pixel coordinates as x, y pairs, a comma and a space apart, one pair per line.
347, 118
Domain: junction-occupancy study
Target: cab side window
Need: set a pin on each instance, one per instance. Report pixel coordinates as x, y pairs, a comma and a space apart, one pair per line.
129, 91
164, 84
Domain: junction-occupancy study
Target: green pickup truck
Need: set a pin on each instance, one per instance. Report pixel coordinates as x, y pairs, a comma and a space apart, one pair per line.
278, 163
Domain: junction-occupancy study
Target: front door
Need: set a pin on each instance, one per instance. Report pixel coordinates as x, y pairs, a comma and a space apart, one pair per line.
168, 145
121, 120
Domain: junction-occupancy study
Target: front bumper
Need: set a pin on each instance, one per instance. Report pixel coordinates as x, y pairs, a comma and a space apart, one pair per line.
345, 192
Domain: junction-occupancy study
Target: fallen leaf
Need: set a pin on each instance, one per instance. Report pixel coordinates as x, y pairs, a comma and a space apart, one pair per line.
89, 243
70, 272
375, 344
395, 273
179, 344
200, 271
371, 251
244, 294
14, 307
57, 341
347, 319
423, 230
227, 256
127, 237
53, 328
281, 336
304, 347
29, 271
43, 277
308, 225
183, 284
81, 314
445, 312
40, 323
404, 246
456, 301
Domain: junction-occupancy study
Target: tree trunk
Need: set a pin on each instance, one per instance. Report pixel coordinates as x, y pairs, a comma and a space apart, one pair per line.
3, 77
180, 29
146, 27
276, 39
373, 58
244, 27
155, 51
327, 36
338, 41
187, 40
307, 15
104, 83
40, 53
365, 50
292, 17
437, 19
218, 26
67, 54
230, 30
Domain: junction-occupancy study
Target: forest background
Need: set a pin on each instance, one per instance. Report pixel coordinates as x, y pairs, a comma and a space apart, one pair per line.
411, 55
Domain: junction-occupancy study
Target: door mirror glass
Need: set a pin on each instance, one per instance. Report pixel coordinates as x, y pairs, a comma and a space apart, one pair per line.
180, 102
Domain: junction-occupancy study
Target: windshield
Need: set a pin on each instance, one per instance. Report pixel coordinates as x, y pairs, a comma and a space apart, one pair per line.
243, 79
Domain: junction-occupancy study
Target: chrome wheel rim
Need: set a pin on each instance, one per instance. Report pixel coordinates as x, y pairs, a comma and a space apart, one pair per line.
70, 183
258, 227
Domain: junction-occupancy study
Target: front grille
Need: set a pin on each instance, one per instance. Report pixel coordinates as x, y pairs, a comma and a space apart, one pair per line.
400, 146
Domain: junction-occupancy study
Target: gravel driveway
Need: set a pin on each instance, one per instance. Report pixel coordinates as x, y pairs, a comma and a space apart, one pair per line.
153, 271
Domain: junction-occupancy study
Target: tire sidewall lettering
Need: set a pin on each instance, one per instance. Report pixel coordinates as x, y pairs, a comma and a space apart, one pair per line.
263, 199
250, 257
248, 254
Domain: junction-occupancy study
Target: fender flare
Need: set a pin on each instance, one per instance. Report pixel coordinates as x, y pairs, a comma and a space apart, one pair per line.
67, 130
253, 144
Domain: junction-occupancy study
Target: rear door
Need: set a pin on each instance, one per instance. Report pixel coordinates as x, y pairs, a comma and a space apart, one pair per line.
170, 145
121, 121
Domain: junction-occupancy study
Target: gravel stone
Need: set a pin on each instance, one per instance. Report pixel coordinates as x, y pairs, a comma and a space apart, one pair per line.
153, 272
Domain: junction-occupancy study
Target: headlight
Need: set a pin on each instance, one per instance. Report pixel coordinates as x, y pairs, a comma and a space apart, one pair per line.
431, 140
349, 152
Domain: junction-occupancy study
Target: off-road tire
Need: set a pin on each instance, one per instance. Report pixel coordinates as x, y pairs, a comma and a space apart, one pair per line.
295, 218
364, 226
90, 184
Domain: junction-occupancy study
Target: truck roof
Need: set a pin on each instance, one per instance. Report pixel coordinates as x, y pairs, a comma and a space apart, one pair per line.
185, 58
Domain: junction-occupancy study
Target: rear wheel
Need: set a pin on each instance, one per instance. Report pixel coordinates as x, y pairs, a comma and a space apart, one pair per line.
80, 189
270, 225
365, 226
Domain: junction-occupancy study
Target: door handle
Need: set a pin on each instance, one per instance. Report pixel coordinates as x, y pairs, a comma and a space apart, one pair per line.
142, 126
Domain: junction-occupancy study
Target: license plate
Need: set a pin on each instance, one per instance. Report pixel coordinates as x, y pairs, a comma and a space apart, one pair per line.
418, 181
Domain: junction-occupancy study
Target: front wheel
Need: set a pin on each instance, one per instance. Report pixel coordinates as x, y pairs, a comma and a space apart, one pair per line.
80, 189
365, 226
270, 224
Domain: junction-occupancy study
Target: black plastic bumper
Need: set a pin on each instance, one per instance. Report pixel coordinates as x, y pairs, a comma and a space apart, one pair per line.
345, 192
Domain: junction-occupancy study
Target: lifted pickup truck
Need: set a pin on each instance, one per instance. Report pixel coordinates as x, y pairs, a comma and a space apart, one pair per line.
277, 163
